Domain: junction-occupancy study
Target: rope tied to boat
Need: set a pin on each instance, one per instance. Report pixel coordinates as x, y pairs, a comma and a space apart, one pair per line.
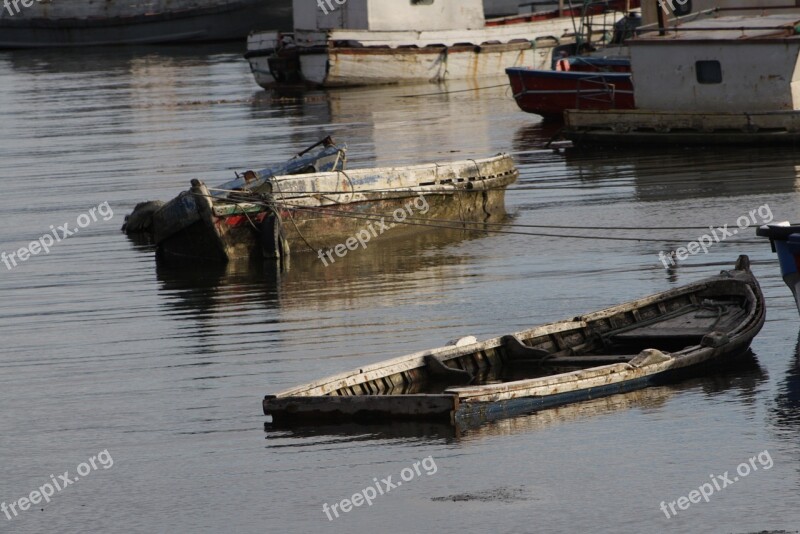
713, 309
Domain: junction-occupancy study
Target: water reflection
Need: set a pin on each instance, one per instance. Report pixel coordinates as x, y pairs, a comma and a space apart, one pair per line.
786, 413
385, 268
678, 174
399, 124
124, 60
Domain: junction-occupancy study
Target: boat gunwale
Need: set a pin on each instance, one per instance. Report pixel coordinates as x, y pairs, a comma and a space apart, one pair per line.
473, 175
688, 355
685, 357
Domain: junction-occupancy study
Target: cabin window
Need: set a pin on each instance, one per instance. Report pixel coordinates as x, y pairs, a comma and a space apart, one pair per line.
421, 2
708, 71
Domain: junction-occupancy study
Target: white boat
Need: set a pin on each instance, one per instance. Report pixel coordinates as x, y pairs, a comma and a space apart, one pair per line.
719, 78
375, 42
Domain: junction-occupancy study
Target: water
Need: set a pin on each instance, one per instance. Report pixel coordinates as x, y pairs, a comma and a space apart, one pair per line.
165, 369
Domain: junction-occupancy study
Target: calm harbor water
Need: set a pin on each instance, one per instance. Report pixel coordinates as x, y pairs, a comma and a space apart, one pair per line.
103, 350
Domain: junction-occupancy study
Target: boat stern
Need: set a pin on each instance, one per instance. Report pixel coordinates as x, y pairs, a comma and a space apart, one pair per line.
785, 240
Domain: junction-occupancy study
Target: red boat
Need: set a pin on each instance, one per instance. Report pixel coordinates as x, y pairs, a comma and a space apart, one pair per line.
580, 83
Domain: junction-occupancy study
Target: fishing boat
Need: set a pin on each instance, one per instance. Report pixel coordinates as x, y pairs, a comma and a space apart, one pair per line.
376, 42
162, 220
619, 349
584, 75
785, 240
715, 77
68, 23
331, 213
586, 83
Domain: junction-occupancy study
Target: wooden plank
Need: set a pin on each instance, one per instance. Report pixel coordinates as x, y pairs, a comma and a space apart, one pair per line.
329, 408
604, 359
665, 121
599, 376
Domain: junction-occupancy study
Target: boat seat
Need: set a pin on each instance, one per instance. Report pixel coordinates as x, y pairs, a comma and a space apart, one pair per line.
681, 329
582, 361
519, 353
664, 339
441, 372
517, 350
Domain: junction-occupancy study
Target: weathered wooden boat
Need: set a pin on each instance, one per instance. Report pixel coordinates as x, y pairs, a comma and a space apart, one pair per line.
624, 348
376, 42
328, 213
67, 23
163, 220
587, 83
785, 240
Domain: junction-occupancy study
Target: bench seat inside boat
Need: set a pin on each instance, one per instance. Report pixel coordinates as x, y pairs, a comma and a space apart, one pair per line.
683, 330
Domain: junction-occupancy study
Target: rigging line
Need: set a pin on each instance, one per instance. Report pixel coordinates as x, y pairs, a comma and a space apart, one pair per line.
291, 217
514, 225
456, 91
368, 217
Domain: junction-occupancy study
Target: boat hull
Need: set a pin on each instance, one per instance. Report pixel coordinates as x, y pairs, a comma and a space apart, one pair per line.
211, 22
631, 346
391, 206
548, 93
341, 57
347, 67
643, 127
785, 241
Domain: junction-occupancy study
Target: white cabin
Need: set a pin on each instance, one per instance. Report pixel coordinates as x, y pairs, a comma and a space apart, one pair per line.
714, 65
380, 15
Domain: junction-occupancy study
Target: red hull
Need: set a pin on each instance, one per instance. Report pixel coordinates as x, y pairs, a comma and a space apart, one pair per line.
549, 93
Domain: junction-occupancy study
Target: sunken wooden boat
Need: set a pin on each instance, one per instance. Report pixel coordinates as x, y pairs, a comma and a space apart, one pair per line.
641, 343
331, 213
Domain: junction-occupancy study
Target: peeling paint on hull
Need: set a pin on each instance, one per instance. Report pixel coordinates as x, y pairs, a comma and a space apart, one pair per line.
371, 67
243, 231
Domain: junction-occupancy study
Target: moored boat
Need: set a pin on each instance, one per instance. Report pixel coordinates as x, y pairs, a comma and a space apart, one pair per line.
785, 240
374, 42
69, 23
623, 348
589, 83
717, 79
329, 213
162, 220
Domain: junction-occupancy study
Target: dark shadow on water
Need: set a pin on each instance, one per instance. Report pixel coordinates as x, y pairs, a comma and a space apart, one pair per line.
118, 59
536, 136
198, 288
674, 173
785, 414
